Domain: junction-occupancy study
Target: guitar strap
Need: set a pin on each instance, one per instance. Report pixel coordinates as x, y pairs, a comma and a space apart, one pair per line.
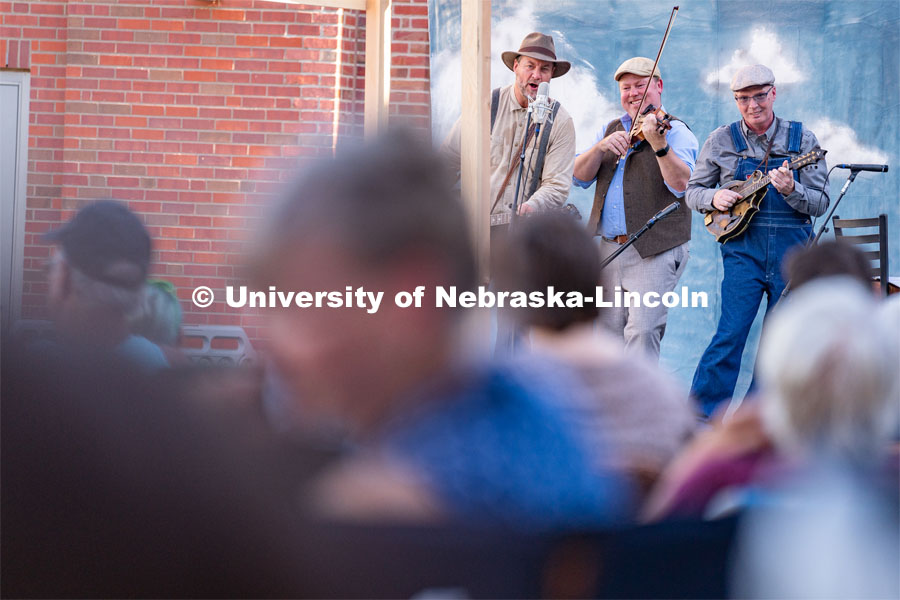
765, 160
512, 167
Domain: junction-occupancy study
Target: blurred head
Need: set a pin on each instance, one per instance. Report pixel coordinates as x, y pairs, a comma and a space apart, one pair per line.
828, 259
159, 316
550, 250
380, 216
100, 264
829, 371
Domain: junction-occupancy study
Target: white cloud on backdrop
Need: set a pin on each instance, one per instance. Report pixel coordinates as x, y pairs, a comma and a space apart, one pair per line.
763, 48
843, 145
577, 90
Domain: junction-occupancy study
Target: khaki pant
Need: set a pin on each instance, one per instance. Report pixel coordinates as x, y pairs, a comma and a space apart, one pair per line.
642, 327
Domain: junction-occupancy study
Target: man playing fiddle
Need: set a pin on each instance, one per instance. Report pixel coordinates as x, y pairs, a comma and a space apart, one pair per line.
752, 261
634, 182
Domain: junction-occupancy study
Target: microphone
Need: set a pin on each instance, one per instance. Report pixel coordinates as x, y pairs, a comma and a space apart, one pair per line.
541, 104
873, 168
665, 212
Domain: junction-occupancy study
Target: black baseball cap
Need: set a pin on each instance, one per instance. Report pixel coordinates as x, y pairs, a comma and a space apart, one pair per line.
107, 242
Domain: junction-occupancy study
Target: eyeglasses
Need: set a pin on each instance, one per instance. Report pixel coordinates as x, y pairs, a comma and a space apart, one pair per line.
758, 98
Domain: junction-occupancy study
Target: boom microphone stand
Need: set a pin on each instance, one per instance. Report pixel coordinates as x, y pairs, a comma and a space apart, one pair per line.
634, 236
814, 240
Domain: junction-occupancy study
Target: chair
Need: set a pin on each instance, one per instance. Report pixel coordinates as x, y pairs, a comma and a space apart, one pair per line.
878, 257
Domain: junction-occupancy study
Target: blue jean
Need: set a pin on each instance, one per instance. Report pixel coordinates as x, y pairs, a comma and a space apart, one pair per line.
752, 265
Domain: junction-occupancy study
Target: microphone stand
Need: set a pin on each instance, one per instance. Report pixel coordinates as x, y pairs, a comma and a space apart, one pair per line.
824, 228
634, 237
515, 205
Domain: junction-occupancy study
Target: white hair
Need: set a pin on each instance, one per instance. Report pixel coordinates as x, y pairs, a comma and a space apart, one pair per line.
829, 369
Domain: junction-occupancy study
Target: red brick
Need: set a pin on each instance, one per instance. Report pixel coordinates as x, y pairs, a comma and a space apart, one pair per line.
227, 15
181, 159
181, 111
252, 40
162, 25
150, 110
224, 125
217, 64
133, 24
199, 76
199, 51
148, 134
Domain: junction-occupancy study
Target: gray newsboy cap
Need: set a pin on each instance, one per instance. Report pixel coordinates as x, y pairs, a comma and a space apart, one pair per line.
752, 75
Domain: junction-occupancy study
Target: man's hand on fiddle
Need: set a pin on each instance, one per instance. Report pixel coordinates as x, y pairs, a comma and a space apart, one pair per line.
782, 179
616, 142
725, 199
526, 208
650, 129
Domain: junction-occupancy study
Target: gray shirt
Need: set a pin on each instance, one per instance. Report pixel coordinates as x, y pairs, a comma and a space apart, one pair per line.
718, 162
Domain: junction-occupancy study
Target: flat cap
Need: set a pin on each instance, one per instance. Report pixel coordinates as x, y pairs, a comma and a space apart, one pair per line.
638, 66
752, 75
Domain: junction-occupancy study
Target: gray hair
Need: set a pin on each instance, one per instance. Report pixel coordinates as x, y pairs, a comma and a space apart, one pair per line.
829, 370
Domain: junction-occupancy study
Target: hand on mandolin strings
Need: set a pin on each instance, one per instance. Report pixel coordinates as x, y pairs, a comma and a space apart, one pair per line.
782, 179
725, 199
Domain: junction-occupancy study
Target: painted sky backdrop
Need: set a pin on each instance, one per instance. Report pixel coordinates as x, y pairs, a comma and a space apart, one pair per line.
837, 69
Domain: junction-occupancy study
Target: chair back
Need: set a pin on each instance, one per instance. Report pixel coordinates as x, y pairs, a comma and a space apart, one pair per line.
859, 232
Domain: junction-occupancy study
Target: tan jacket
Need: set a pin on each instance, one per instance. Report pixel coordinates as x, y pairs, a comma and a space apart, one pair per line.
506, 141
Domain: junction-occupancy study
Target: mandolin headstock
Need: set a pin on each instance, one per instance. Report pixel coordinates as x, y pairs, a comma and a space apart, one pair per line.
813, 156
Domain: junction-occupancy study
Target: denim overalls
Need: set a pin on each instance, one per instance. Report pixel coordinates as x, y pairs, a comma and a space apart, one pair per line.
752, 265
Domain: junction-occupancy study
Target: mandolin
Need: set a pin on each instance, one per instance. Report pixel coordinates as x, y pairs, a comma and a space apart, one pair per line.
729, 224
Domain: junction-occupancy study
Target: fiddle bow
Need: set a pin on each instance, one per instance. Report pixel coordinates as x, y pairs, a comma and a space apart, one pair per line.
637, 121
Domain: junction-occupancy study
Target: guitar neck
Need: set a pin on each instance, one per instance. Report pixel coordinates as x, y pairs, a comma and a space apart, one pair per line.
765, 179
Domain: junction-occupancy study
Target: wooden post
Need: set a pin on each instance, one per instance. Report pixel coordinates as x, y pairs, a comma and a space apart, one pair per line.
378, 65
475, 177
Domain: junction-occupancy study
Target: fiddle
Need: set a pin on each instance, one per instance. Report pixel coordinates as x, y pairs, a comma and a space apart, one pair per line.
663, 119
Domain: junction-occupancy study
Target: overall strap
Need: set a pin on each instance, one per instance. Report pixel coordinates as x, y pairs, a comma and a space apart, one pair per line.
542, 152
495, 102
795, 135
740, 144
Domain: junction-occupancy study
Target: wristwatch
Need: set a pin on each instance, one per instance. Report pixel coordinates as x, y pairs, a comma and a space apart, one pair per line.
663, 152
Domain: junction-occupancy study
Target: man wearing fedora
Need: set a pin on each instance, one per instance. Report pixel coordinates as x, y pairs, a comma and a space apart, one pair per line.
634, 182
550, 155
752, 261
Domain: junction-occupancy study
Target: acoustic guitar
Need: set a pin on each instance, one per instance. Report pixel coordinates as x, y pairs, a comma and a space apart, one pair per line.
729, 224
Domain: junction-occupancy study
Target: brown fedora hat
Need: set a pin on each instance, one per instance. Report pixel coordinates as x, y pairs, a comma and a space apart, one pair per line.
539, 46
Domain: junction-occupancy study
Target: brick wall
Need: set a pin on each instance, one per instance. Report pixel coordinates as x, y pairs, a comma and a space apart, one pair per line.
192, 113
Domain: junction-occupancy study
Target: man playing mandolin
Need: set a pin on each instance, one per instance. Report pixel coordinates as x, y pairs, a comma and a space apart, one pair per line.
752, 249
635, 180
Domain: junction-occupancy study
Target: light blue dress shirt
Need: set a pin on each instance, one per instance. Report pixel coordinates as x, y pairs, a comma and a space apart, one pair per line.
612, 221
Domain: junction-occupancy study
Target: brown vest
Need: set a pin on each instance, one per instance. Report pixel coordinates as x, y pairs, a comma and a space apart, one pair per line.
645, 194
